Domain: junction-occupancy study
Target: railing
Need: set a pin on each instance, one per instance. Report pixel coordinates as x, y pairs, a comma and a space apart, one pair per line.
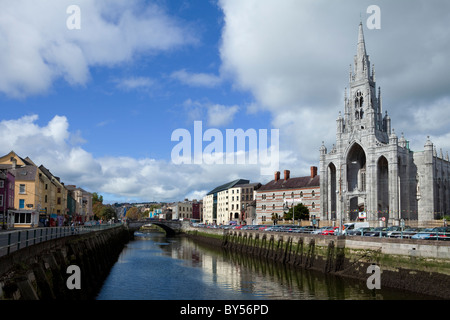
11, 241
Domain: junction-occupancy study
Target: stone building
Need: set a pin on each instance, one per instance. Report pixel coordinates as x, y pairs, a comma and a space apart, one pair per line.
371, 174
278, 195
216, 203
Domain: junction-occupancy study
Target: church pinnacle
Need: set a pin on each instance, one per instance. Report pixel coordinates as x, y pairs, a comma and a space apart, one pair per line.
362, 64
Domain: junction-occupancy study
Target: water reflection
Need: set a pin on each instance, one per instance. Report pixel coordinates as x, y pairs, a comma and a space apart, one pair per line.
156, 267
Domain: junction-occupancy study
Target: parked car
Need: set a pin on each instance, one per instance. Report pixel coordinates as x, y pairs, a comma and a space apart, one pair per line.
290, 228
375, 232
274, 228
406, 233
354, 225
329, 230
391, 229
427, 234
305, 229
438, 233
358, 231
319, 230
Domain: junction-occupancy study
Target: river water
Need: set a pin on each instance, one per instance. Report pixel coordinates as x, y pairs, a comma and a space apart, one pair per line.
156, 267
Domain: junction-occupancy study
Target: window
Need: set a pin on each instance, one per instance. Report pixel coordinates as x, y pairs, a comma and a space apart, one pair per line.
21, 203
292, 195
301, 194
313, 205
2, 183
313, 193
1, 200
22, 189
21, 218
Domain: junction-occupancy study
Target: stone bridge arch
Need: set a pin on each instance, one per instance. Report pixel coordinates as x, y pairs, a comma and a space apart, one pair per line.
171, 227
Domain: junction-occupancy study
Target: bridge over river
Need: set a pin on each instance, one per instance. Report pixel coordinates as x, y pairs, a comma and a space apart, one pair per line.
171, 227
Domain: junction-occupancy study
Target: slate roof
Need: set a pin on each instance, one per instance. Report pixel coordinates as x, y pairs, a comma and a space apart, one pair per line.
292, 183
229, 185
26, 173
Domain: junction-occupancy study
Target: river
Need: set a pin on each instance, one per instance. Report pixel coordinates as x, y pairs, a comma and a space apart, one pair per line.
156, 267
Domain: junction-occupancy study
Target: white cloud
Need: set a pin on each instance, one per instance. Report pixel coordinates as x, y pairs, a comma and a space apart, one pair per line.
37, 48
134, 83
121, 178
196, 79
219, 115
294, 56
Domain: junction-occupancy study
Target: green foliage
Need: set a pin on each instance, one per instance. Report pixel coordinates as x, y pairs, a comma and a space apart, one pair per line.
96, 198
107, 213
300, 212
101, 211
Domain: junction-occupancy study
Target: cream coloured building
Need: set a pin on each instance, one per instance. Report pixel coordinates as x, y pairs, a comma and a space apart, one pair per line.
216, 203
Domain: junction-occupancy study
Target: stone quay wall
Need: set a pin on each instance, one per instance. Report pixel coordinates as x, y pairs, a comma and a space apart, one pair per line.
40, 272
421, 266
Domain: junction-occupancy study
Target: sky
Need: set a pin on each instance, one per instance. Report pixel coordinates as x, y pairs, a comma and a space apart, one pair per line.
95, 95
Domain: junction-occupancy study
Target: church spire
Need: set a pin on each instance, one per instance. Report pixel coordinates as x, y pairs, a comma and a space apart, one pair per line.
362, 64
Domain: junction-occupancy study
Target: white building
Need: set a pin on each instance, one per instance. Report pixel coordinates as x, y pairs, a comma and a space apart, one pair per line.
216, 203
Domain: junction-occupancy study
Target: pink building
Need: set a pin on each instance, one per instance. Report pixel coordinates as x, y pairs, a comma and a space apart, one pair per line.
7, 182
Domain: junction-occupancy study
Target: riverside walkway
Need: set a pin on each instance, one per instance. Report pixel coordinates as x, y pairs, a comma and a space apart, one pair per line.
13, 240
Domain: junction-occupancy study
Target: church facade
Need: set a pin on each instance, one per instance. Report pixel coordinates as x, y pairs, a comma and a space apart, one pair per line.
370, 173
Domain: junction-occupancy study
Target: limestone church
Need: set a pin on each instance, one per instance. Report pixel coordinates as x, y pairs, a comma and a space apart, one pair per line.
372, 174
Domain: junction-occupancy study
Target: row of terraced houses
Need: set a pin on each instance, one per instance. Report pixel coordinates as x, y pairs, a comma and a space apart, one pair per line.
31, 196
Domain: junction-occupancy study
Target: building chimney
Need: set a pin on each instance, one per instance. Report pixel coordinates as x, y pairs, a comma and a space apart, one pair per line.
277, 175
313, 172
286, 175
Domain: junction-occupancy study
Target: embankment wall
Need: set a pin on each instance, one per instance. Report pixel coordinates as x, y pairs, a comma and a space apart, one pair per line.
39, 272
415, 265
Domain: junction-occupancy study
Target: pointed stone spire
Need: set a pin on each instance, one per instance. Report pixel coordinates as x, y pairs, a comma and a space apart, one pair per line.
361, 42
362, 65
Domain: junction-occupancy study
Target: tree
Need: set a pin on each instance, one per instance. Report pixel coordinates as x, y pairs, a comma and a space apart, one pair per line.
96, 198
101, 211
108, 213
133, 213
300, 212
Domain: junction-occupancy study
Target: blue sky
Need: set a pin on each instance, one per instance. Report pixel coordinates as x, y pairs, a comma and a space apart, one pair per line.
97, 106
